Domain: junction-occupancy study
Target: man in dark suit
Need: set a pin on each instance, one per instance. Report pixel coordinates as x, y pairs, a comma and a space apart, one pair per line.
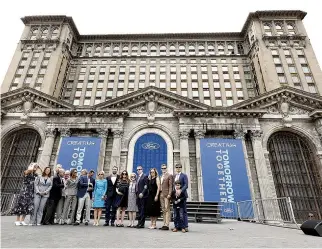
183, 178
54, 197
84, 185
141, 190
110, 201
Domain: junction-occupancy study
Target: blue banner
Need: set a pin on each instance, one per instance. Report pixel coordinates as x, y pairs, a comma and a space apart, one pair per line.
79, 152
224, 173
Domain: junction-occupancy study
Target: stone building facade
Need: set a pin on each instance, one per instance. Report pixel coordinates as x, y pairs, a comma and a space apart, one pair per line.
262, 85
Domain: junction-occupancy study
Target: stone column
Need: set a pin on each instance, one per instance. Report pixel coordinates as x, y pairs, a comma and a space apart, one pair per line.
48, 147
116, 150
101, 160
240, 134
184, 157
269, 205
318, 126
198, 135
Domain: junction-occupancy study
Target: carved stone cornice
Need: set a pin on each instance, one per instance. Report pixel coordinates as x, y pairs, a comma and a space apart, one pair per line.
224, 112
50, 132
118, 133
239, 134
184, 134
65, 132
87, 112
199, 134
256, 134
102, 133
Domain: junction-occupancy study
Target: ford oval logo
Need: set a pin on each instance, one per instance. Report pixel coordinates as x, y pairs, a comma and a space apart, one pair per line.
228, 210
150, 146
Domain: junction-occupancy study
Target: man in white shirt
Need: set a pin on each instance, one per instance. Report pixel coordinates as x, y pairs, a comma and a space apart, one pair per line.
110, 201
165, 196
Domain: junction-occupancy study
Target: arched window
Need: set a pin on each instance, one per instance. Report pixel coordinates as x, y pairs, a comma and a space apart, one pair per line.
98, 51
34, 33
192, 50
135, 49
279, 28
172, 50
182, 49
19, 149
125, 50
296, 174
116, 50
54, 33
267, 28
291, 28
144, 50
44, 33
163, 50
211, 49
153, 50
107, 50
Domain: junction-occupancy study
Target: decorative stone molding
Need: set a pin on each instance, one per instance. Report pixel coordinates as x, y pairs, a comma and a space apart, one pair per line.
184, 134
199, 134
256, 134
239, 134
50, 132
118, 133
65, 132
102, 133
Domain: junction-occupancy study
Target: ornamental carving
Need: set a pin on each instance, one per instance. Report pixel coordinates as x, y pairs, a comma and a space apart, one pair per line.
139, 109
163, 109
117, 134
199, 134
256, 134
50, 132
65, 132
184, 134
239, 134
102, 133
297, 111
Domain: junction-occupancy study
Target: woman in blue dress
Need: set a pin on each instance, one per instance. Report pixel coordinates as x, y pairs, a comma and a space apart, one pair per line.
99, 197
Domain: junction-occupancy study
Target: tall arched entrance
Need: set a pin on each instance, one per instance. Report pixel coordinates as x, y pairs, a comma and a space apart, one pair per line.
18, 150
150, 151
296, 174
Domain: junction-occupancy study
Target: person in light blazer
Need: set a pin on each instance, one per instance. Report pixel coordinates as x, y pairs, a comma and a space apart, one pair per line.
43, 185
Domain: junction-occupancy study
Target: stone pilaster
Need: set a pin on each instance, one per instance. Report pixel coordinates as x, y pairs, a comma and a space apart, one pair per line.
48, 147
265, 177
184, 157
116, 150
199, 134
103, 135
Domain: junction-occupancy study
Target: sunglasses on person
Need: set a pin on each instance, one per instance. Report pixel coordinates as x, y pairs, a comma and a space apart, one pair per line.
178, 167
164, 168
124, 173
100, 174
138, 169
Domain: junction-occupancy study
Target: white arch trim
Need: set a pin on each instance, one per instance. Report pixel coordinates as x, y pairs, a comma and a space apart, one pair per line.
142, 132
295, 129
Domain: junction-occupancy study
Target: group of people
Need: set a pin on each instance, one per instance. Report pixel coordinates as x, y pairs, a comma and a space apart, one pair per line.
71, 197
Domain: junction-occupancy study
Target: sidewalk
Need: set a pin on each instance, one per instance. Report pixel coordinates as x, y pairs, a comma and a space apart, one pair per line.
229, 233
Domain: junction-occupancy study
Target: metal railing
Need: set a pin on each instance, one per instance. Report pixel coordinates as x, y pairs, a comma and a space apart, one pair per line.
274, 211
7, 202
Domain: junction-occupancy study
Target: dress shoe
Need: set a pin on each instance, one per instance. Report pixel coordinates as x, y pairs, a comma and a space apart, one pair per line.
139, 226
112, 225
106, 224
164, 228
76, 224
86, 223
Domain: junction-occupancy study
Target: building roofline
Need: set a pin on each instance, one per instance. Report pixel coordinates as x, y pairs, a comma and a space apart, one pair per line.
252, 15
271, 13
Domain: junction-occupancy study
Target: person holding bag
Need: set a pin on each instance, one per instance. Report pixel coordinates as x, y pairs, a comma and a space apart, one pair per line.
122, 189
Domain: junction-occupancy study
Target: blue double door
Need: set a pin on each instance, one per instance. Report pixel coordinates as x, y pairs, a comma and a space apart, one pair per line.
150, 151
